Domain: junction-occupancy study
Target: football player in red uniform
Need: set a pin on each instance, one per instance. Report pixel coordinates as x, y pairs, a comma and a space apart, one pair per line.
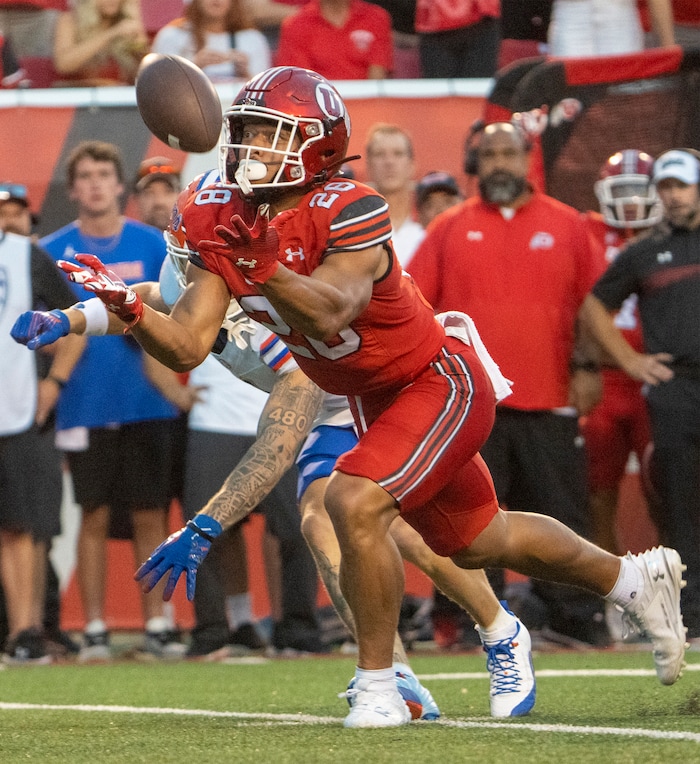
619, 424
310, 256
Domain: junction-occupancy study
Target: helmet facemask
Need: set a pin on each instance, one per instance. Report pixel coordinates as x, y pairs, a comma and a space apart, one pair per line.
292, 136
628, 201
179, 255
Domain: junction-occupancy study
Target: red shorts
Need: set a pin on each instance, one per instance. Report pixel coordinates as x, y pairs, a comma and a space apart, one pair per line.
618, 425
421, 445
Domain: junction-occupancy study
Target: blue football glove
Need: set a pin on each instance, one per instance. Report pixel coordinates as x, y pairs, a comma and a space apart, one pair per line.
182, 552
36, 328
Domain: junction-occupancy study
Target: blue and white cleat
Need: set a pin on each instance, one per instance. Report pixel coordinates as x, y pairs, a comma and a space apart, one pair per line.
416, 697
509, 663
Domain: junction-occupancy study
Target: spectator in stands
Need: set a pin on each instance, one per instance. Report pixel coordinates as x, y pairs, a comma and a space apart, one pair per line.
501, 256
30, 466
124, 431
524, 25
391, 169
603, 28
156, 187
30, 25
268, 16
662, 269
218, 36
100, 42
460, 39
435, 193
339, 39
686, 22
11, 74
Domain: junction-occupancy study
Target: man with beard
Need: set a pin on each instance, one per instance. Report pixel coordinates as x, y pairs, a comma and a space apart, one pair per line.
519, 262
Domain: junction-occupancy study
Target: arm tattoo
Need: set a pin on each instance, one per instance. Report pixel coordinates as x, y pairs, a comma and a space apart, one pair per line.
284, 424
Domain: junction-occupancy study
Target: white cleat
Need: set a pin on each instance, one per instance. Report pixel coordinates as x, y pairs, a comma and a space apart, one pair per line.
509, 663
656, 614
373, 708
420, 702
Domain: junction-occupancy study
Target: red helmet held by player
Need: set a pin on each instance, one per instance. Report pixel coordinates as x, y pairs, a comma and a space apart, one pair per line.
625, 191
310, 131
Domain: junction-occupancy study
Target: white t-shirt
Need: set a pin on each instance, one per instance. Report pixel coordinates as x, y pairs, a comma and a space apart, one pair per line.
406, 240
177, 40
595, 28
229, 406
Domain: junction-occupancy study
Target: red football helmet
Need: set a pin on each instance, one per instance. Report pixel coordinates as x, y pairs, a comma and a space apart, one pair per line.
310, 124
625, 191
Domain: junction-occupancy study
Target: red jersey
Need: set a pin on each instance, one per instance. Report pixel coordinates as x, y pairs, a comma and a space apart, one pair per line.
443, 15
308, 40
521, 279
611, 241
389, 344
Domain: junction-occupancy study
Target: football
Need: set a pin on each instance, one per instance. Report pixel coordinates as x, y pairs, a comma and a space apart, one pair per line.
178, 103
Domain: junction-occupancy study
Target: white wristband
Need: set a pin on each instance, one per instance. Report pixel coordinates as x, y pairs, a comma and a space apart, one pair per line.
96, 317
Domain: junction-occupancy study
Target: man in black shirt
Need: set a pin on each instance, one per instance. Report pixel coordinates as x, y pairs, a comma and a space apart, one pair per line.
663, 269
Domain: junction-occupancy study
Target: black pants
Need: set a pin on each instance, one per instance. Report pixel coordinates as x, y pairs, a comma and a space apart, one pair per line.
674, 409
467, 52
210, 458
537, 460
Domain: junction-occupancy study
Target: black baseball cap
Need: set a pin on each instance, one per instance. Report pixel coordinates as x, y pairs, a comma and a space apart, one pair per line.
436, 181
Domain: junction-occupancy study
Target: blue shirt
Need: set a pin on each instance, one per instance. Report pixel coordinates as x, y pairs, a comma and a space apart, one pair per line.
108, 385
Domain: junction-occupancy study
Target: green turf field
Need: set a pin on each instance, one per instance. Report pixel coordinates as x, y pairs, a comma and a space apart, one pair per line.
591, 707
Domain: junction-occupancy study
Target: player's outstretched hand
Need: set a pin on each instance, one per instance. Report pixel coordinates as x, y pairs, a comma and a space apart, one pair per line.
37, 328
114, 293
182, 552
253, 250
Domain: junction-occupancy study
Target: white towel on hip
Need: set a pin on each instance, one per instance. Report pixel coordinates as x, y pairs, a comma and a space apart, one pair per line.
460, 325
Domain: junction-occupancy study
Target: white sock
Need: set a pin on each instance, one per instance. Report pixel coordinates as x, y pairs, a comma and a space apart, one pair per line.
629, 584
157, 625
169, 613
239, 610
96, 626
382, 679
502, 627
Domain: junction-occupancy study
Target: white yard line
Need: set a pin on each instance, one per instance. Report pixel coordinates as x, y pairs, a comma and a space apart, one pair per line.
557, 673
297, 719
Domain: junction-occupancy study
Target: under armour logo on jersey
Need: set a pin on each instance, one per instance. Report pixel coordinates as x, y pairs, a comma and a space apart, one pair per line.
294, 254
664, 257
542, 240
475, 235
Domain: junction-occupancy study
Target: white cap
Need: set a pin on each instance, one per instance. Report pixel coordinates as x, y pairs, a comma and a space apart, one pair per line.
679, 165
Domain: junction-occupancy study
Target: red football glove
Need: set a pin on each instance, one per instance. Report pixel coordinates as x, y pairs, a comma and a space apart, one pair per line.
254, 250
114, 293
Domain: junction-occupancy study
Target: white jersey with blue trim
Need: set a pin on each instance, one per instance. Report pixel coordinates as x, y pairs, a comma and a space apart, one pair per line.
253, 353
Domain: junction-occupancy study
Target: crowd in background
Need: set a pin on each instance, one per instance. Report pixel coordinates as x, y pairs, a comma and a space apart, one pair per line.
101, 42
